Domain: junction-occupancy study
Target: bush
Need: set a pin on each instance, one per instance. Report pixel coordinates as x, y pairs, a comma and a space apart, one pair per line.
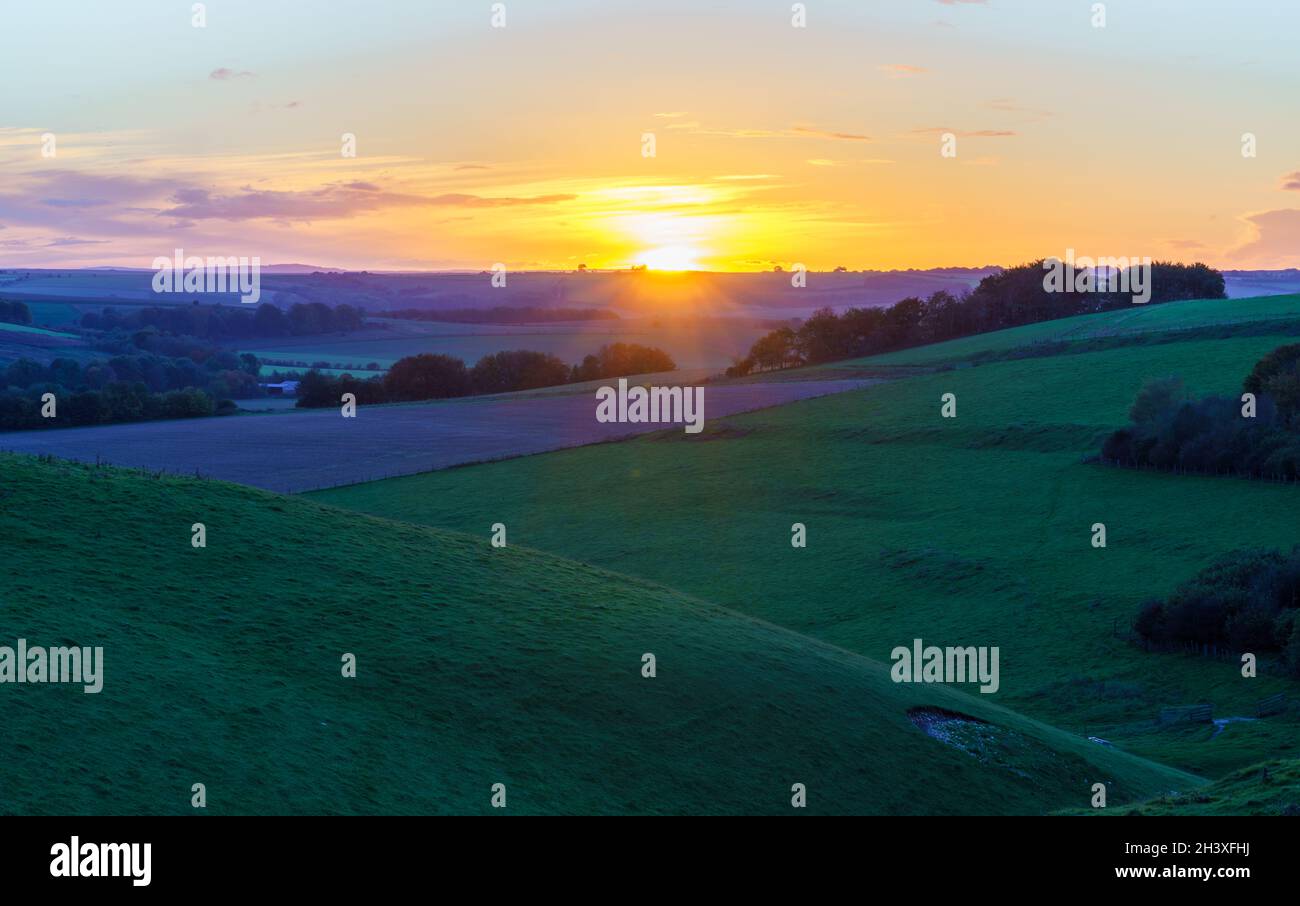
1156, 398
1212, 435
1247, 600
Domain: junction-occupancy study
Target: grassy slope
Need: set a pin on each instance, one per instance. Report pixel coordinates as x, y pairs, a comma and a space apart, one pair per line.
6, 327
970, 531
1135, 320
1270, 788
475, 666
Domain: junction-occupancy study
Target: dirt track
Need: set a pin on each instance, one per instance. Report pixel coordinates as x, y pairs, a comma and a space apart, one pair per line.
302, 451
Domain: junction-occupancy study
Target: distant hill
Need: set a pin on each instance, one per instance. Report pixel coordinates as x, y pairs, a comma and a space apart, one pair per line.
766, 295
1241, 284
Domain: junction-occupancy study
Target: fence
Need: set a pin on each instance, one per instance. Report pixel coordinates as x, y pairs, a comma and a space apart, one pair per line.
1274, 704
1197, 714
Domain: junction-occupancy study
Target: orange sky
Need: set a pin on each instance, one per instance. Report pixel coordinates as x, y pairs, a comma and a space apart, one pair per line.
773, 144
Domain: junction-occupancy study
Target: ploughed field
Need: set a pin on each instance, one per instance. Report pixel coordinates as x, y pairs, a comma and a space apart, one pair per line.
306, 450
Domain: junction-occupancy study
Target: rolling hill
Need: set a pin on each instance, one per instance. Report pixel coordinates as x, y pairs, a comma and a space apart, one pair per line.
973, 530
475, 666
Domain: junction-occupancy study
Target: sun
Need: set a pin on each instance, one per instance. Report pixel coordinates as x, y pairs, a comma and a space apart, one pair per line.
671, 258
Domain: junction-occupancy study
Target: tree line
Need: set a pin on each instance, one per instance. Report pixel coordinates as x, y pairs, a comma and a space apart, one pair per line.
124, 388
435, 376
1257, 434
1010, 298
15, 312
227, 322
503, 314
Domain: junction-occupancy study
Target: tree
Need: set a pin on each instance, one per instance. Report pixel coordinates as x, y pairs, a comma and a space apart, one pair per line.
518, 369
1158, 397
776, 350
15, 312
426, 377
1278, 375
622, 359
821, 338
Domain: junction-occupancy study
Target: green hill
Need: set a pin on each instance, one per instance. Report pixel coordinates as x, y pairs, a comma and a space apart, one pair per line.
475, 666
1133, 324
1271, 788
974, 530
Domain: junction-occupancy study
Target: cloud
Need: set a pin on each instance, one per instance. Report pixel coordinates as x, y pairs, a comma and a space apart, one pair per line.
327, 203
477, 201
978, 133
1276, 239
78, 189
1291, 182
73, 240
225, 75
837, 136
472, 167
828, 162
901, 70
793, 132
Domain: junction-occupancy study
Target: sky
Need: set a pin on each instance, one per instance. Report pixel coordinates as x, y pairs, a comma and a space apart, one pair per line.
528, 145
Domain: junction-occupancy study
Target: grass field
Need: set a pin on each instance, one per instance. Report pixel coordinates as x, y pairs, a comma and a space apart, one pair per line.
522, 665
54, 314
27, 329
1263, 789
474, 666
973, 531
1129, 321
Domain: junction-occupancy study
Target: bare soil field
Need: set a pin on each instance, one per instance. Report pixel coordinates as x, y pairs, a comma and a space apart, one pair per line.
303, 451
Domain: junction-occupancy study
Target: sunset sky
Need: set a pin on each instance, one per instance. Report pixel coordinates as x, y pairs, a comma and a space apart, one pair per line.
523, 145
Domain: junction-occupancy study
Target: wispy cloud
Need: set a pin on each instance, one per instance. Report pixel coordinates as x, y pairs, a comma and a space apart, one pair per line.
901, 70
792, 132
977, 133
223, 74
327, 203
810, 132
